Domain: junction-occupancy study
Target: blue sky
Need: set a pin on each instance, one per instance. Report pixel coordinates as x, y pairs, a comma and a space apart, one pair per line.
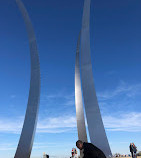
116, 59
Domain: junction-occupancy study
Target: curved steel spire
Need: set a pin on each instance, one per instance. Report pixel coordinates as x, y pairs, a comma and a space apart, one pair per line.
81, 128
94, 120
27, 136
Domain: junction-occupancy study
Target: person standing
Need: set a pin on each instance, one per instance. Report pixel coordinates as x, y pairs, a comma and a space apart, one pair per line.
131, 149
134, 150
45, 156
74, 153
90, 151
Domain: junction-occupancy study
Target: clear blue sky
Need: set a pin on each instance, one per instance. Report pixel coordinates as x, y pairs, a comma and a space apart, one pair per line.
116, 59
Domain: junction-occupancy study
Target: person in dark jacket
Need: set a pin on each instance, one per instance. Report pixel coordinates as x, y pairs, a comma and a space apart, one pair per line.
90, 151
131, 149
134, 150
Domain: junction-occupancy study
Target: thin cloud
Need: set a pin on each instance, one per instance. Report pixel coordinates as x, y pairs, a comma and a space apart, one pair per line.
11, 125
13, 96
66, 99
57, 125
7, 146
13, 146
123, 122
122, 89
112, 72
63, 124
49, 125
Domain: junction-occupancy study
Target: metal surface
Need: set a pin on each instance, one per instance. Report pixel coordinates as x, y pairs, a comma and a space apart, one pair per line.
27, 136
95, 124
81, 128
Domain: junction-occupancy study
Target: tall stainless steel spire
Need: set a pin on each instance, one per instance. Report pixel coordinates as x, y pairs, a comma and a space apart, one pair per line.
82, 135
94, 120
27, 136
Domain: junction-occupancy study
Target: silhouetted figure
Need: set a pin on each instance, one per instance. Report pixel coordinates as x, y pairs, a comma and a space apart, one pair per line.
131, 149
45, 156
90, 151
134, 150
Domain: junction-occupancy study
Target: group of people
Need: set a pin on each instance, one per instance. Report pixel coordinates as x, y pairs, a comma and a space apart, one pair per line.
45, 156
89, 150
74, 153
133, 150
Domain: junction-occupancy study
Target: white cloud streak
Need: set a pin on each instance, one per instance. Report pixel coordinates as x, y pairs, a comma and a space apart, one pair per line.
68, 99
123, 122
48, 125
122, 89
114, 122
13, 146
57, 124
13, 96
